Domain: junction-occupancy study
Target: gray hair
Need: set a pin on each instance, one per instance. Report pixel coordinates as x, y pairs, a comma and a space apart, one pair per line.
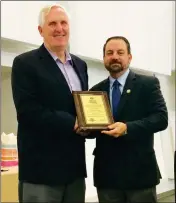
45, 11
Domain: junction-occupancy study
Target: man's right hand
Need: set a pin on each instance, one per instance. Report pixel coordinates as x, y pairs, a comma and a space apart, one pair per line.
76, 125
78, 130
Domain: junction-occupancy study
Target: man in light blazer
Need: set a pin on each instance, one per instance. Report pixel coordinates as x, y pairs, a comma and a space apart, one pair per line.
125, 166
51, 154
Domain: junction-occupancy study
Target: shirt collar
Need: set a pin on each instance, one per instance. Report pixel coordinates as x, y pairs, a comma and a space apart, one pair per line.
121, 79
68, 56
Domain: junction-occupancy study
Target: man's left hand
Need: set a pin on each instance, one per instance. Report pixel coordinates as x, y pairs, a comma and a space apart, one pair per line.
83, 133
116, 129
78, 131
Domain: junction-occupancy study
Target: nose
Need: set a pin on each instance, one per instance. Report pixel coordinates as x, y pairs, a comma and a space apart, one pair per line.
59, 27
115, 55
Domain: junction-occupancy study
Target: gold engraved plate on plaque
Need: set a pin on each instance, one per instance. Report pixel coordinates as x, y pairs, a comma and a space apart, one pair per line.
94, 109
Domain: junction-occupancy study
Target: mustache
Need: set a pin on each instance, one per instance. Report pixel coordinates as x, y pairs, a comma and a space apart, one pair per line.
114, 61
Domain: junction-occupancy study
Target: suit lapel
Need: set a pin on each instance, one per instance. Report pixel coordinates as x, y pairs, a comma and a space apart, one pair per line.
79, 72
128, 88
51, 66
105, 87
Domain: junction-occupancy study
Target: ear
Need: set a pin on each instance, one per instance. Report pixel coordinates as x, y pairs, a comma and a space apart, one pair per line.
40, 30
130, 57
104, 59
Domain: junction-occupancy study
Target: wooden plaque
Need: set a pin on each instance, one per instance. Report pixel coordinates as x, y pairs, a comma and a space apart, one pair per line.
93, 110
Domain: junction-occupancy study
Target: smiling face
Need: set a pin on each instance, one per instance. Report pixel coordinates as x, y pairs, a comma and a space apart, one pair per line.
55, 29
116, 56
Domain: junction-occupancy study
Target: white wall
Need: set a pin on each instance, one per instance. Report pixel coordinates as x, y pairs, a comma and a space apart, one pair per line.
149, 26
168, 136
151, 31
8, 112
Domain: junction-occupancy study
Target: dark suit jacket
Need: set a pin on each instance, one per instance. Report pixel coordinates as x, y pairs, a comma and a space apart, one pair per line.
50, 152
129, 162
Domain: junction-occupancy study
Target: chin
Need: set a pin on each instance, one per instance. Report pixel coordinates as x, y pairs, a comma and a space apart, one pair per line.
61, 42
116, 70
61, 45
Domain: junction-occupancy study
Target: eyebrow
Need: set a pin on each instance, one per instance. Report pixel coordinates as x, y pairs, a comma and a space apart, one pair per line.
121, 50
117, 50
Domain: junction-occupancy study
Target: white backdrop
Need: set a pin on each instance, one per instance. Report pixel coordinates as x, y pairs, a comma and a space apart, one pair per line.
149, 26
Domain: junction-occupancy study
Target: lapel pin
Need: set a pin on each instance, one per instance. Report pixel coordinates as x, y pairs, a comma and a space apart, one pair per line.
128, 91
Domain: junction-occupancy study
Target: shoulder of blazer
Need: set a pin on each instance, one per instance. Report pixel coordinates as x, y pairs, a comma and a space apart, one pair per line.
35, 53
74, 57
146, 80
27, 54
28, 58
24, 58
100, 85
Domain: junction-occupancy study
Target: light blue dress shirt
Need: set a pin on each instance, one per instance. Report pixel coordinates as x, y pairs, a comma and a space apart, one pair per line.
68, 71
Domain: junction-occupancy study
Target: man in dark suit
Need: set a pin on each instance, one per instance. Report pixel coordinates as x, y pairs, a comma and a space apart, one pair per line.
125, 166
51, 154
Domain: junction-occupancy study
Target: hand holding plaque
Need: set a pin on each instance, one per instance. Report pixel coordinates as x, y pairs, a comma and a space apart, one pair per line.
93, 110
